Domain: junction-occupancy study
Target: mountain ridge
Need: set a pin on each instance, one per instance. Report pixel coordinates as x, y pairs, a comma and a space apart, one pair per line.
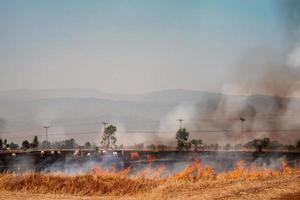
25, 112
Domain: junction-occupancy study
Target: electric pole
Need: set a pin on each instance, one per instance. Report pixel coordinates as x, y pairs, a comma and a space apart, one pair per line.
180, 122
46, 129
104, 125
242, 119
103, 139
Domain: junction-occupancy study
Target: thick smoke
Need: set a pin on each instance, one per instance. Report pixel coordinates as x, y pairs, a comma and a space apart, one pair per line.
275, 73
262, 71
172, 162
274, 76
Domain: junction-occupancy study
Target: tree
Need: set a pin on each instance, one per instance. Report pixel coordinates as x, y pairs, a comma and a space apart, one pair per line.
87, 145
1, 144
65, 144
35, 143
151, 147
259, 144
162, 147
139, 146
290, 147
69, 144
182, 137
13, 146
227, 147
196, 143
216, 146
298, 145
45, 144
109, 139
275, 144
25, 145
5, 145
237, 147
94, 145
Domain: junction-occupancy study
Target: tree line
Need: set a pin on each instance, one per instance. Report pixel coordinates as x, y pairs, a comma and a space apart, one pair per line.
109, 140
35, 144
183, 143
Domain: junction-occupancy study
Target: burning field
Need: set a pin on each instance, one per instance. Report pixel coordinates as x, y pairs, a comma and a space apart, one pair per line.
194, 181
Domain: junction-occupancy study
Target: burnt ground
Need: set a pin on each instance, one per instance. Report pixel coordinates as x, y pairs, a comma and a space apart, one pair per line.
65, 160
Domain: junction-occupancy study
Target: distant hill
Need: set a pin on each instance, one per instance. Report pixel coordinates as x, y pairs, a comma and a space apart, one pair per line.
78, 113
59, 93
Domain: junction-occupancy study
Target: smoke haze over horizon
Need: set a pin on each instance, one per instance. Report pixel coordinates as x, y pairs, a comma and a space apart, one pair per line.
228, 47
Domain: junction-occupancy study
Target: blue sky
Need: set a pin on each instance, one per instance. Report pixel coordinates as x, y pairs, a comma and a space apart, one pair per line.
135, 46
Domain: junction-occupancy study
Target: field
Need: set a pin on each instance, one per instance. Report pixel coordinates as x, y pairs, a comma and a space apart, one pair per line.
193, 182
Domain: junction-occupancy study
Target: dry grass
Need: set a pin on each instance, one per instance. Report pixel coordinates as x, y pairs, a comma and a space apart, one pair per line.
115, 183
194, 182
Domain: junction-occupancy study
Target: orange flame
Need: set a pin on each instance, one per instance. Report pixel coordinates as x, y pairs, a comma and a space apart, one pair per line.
134, 155
195, 171
150, 158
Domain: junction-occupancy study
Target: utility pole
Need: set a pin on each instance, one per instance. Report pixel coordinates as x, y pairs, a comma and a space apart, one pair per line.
46, 129
104, 125
242, 119
180, 122
103, 139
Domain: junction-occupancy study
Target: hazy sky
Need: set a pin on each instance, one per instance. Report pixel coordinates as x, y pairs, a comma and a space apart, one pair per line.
133, 46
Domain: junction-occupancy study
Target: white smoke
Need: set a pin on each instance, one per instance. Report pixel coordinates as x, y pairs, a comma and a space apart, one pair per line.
293, 58
185, 111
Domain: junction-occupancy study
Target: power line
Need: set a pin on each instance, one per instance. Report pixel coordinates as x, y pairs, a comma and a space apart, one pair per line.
157, 132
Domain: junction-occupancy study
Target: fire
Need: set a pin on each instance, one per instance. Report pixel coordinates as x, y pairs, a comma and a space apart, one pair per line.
150, 158
254, 172
126, 182
152, 173
195, 171
134, 155
97, 170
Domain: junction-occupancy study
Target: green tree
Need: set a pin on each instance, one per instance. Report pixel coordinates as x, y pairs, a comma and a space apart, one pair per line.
290, 147
259, 144
162, 147
298, 145
1, 144
182, 137
275, 145
25, 145
139, 146
35, 143
13, 146
45, 145
5, 145
151, 147
109, 139
87, 145
69, 144
196, 143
